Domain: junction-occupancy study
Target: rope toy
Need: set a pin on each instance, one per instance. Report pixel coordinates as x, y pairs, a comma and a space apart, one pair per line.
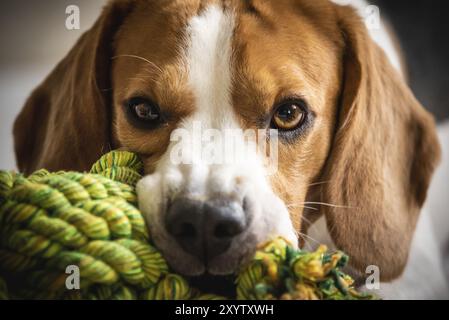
49, 221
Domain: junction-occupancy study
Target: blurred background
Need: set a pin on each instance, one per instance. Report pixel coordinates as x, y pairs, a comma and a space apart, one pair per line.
33, 38
423, 30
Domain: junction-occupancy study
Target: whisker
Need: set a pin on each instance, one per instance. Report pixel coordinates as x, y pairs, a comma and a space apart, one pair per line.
312, 226
318, 183
329, 205
309, 237
300, 206
139, 58
307, 244
135, 78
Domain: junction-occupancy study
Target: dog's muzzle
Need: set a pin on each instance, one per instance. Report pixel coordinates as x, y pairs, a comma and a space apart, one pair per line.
209, 218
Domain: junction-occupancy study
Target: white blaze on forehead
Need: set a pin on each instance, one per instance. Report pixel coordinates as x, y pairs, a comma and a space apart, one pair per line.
209, 51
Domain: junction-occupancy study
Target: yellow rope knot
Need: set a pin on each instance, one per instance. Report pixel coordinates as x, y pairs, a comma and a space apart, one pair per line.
49, 221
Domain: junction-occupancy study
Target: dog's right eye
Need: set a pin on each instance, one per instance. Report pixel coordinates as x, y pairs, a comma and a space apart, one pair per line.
144, 110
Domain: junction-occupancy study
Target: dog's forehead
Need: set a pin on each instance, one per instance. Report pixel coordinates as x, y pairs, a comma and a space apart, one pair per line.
254, 49
273, 27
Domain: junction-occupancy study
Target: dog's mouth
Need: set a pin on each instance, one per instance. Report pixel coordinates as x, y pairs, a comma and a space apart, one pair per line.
212, 284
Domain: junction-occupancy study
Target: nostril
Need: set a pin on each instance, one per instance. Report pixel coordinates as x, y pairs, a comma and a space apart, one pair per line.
183, 220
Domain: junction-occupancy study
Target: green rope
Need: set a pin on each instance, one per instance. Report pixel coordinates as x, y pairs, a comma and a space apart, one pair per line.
49, 221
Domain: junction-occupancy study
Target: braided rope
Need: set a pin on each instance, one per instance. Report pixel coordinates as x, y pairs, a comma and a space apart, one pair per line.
49, 221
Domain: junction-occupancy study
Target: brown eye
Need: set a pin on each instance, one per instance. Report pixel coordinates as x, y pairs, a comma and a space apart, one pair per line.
288, 116
144, 110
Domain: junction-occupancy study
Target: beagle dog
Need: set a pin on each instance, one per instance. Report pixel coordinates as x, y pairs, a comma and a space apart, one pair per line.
354, 145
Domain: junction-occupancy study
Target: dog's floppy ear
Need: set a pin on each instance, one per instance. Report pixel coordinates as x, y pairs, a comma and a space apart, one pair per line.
383, 156
65, 122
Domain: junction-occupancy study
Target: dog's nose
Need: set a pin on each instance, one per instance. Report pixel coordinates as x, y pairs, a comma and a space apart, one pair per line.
205, 229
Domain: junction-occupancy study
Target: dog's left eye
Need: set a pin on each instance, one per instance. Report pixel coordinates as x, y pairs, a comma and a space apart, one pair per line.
144, 110
288, 116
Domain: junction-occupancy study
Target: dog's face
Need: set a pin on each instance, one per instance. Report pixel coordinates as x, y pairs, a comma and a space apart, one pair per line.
237, 67
349, 133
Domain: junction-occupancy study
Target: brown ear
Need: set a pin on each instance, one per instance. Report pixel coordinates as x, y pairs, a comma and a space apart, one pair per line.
65, 122
383, 157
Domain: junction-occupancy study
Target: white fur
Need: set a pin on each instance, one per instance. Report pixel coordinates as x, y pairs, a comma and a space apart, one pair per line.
207, 58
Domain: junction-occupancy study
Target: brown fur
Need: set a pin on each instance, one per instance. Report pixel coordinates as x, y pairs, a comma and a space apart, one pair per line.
372, 148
